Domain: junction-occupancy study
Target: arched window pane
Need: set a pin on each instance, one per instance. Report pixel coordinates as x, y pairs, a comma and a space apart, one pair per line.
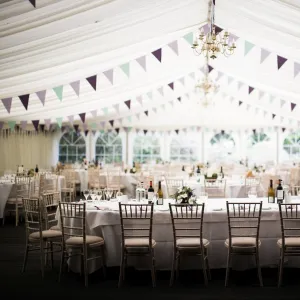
72, 148
291, 145
258, 147
146, 149
109, 148
222, 146
184, 149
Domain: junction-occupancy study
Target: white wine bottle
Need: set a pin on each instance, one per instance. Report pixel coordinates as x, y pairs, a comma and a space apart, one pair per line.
271, 193
160, 196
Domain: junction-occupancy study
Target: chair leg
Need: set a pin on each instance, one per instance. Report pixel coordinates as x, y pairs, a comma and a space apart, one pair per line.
258, 268
61, 263
17, 214
51, 249
204, 269
173, 267
85, 267
281, 262
228, 267
121, 275
42, 254
25, 258
103, 261
177, 264
207, 265
153, 269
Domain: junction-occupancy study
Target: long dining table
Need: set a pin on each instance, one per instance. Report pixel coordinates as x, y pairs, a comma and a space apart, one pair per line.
102, 218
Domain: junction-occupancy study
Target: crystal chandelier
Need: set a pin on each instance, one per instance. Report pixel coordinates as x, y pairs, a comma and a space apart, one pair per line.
210, 44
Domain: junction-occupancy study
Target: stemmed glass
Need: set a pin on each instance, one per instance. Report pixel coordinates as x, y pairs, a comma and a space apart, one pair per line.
93, 194
252, 193
99, 194
108, 193
86, 194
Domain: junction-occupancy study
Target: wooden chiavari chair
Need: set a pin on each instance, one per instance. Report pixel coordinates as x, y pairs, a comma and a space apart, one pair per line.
251, 182
187, 222
215, 188
243, 227
172, 185
136, 229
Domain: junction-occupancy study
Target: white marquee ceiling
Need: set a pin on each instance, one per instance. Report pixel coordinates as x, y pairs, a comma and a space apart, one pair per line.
59, 42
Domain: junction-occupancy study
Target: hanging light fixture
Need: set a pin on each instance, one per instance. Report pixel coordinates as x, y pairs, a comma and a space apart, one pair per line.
210, 44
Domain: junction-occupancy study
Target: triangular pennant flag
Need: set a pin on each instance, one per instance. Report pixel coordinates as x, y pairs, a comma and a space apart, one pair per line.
47, 123
82, 117
272, 98
42, 96
42, 126
76, 127
210, 68
145, 131
171, 103
161, 90
94, 132
105, 110
139, 99
230, 79
220, 74
263, 55
283, 129
92, 81
146, 112
142, 62
111, 123
261, 94
280, 61
254, 131
192, 75
117, 130
94, 126
281, 119
126, 69
240, 84
94, 113
256, 110
154, 109
25, 100
177, 131
128, 102
282, 102
117, 107
179, 99
36, 124
33, 2
7, 103
174, 46
76, 87
248, 106
189, 38
85, 127
59, 92
217, 28
240, 103
138, 116
102, 124
157, 54
23, 125
251, 89
181, 80
71, 119
273, 116
11, 125
248, 47
293, 105
59, 121
109, 74
149, 94
296, 69
171, 85
86, 132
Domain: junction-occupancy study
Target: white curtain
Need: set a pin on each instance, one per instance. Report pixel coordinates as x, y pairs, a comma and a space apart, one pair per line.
27, 148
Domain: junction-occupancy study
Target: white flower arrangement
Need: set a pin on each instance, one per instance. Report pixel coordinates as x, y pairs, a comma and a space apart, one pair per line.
183, 194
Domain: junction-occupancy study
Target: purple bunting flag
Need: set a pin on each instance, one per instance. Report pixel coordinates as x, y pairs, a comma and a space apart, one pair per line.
142, 62
109, 74
33, 2
174, 46
171, 85
23, 125
293, 105
76, 87
25, 100
111, 123
240, 103
145, 131
117, 130
42, 96
177, 131
283, 129
92, 81
273, 116
7, 103
102, 124
179, 99
210, 68
76, 127
86, 132
82, 117
128, 102
296, 69
218, 29
280, 61
251, 89
36, 124
47, 123
146, 112
157, 54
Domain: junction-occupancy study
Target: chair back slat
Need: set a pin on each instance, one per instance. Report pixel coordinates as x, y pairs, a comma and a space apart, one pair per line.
215, 188
33, 215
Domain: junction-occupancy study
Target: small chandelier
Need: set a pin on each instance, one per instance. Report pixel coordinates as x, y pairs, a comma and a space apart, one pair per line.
211, 44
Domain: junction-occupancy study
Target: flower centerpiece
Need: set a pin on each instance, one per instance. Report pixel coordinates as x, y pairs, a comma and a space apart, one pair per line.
183, 195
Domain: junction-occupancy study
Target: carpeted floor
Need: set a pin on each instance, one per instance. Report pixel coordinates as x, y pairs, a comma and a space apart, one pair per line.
243, 285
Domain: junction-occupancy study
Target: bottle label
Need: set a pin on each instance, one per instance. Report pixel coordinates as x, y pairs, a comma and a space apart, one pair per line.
271, 199
280, 194
160, 201
150, 195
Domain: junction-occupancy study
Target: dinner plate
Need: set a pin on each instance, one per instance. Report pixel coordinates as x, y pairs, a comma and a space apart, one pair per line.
266, 208
217, 209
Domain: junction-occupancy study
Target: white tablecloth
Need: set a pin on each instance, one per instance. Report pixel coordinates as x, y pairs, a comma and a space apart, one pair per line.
106, 223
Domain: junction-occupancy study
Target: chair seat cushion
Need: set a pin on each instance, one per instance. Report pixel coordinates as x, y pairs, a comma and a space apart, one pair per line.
290, 242
138, 242
91, 240
14, 201
242, 242
56, 227
67, 190
191, 242
46, 234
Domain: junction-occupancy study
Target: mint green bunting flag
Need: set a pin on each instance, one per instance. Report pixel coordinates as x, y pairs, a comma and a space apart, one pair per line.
59, 121
149, 94
248, 47
102, 131
59, 92
11, 125
129, 119
105, 110
129, 129
125, 68
94, 126
189, 38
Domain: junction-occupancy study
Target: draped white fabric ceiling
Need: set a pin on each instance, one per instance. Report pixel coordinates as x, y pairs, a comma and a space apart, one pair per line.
59, 42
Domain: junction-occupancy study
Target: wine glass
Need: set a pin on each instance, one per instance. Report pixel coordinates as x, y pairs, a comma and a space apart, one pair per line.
108, 193
86, 194
252, 193
99, 194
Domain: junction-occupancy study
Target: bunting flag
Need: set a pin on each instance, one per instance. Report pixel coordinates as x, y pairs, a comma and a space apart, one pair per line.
230, 79
59, 121
35, 124
105, 110
117, 130
260, 94
273, 116
174, 46
240, 103
210, 68
142, 62
145, 131
177, 131
86, 132
146, 112
296, 69
47, 123
111, 123
240, 84
263, 55
126, 69
23, 125
94, 113
154, 109
179, 99
82, 117
33, 2
109, 74
149, 94
59, 92
102, 124
117, 108
7, 103
171, 85
42, 126
189, 38
192, 75
157, 54
217, 28
94, 132
283, 129
11, 125
76, 87
128, 102
282, 102
293, 105
42, 96
280, 61
139, 99
161, 90
182, 80
76, 127
250, 89
94, 126
272, 99
129, 118
248, 47
25, 100
71, 119
220, 75
92, 81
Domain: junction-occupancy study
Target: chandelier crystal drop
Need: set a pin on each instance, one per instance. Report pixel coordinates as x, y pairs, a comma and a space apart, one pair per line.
210, 44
